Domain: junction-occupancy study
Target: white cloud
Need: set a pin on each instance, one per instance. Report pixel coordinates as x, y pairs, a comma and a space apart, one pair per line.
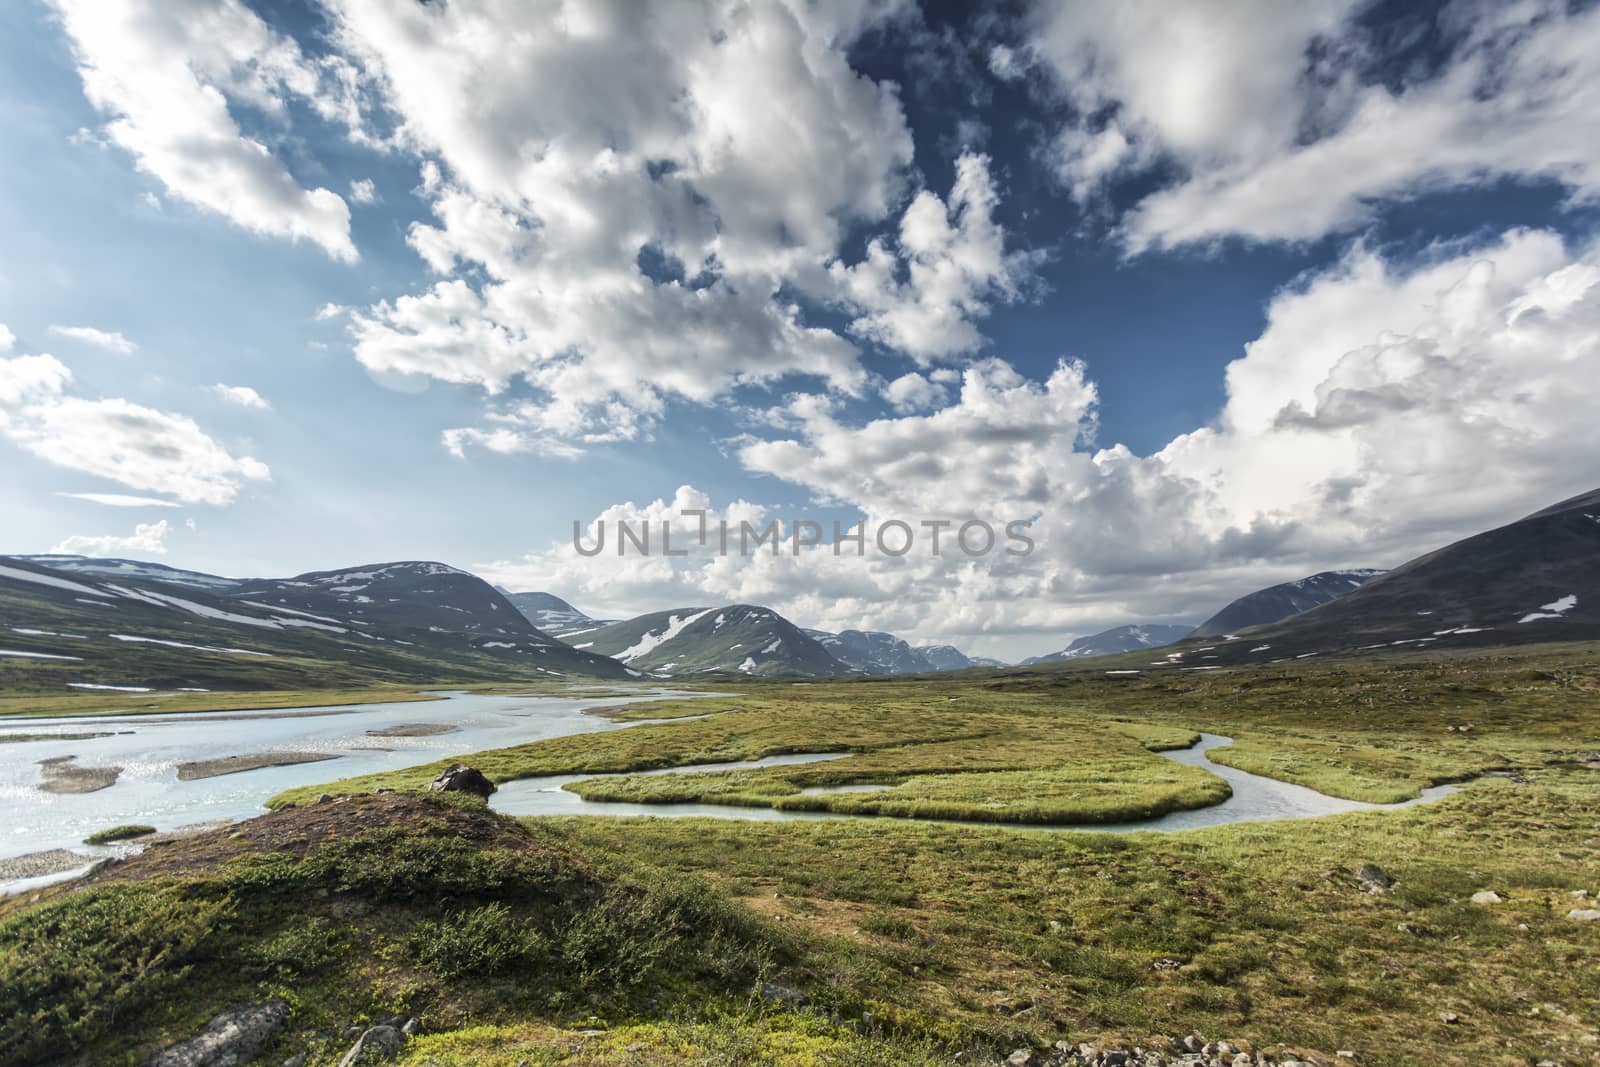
1273, 116
949, 264
110, 340
364, 191
26, 379
7, 339
243, 396
168, 75
330, 311
623, 199
913, 392
146, 539
140, 447
1385, 410
120, 500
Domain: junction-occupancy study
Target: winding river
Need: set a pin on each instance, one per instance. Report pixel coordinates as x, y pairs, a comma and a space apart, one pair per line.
148, 751
1254, 799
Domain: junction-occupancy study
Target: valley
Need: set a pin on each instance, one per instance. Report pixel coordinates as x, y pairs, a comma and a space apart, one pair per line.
891, 940
712, 835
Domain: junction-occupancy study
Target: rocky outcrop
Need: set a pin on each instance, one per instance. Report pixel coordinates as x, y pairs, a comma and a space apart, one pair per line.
459, 778
228, 1040
375, 1045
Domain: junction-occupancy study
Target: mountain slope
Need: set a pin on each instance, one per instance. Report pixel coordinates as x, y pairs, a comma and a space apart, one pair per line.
740, 638
951, 658
1534, 580
404, 622
1117, 639
132, 568
873, 652
551, 614
1280, 601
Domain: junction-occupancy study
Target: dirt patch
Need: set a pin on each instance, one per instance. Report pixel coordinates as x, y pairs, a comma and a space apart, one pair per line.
830, 918
413, 729
211, 768
63, 775
17, 739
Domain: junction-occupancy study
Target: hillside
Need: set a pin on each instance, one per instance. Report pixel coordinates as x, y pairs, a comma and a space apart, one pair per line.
1531, 581
402, 622
1117, 639
951, 658
738, 638
1280, 601
873, 652
550, 613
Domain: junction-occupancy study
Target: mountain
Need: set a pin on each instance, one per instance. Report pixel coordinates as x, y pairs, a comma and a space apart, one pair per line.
738, 638
89, 624
873, 652
1280, 601
1118, 639
552, 614
951, 658
132, 568
1533, 580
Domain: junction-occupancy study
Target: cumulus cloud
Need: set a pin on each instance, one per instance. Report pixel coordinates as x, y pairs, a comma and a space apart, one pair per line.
140, 447
1283, 123
146, 539
243, 396
8, 339
110, 340
121, 500
364, 191
950, 263
170, 75
1387, 408
631, 207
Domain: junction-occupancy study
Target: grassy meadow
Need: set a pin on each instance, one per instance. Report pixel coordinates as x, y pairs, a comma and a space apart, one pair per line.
619, 941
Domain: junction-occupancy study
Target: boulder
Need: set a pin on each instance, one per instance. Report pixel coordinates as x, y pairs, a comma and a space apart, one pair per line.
459, 778
1584, 915
1020, 1058
228, 1040
1486, 896
374, 1046
1374, 879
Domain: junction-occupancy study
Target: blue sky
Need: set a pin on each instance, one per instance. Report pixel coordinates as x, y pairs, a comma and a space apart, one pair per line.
1217, 298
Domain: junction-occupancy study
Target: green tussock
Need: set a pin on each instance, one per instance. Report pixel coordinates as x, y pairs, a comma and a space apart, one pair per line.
118, 833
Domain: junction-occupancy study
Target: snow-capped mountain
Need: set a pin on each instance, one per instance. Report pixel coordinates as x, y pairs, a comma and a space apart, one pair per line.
1533, 580
873, 652
737, 638
552, 614
1281, 601
133, 568
1117, 639
104, 622
951, 658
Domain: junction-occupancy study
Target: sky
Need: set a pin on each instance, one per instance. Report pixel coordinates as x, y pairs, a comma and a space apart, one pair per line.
1211, 295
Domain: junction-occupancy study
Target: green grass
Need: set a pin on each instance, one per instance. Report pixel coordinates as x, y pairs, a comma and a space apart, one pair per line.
611, 941
118, 833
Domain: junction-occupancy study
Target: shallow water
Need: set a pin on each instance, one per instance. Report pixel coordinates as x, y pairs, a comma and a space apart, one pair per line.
1255, 798
150, 747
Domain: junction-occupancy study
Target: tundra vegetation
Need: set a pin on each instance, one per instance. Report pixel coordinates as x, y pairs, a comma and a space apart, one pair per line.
859, 941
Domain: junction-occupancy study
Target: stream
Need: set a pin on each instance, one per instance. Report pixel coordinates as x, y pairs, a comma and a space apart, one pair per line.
148, 750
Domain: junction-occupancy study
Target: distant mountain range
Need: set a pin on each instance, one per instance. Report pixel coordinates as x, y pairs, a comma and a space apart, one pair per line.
1533, 580
1117, 639
124, 625
1281, 601
77, 622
